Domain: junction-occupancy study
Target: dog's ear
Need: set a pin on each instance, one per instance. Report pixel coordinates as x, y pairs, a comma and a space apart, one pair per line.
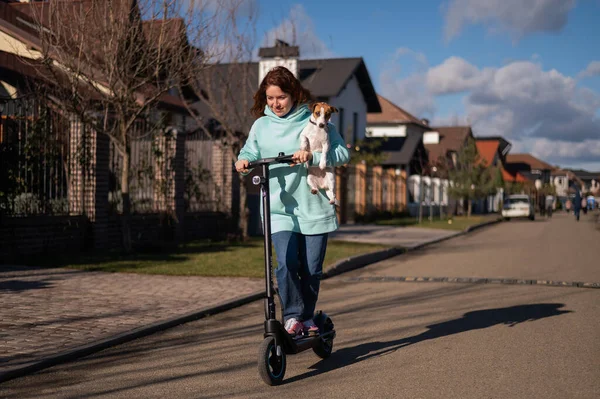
313, 106
334, 110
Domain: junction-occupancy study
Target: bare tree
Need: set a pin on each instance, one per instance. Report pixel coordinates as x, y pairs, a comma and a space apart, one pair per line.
110, 63
226, 83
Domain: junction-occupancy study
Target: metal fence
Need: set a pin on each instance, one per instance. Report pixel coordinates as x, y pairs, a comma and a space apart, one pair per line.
205, 178
142, 172
47, 165
34, 158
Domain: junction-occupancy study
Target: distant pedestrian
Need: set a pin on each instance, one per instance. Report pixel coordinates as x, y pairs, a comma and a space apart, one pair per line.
584, 206
577, 203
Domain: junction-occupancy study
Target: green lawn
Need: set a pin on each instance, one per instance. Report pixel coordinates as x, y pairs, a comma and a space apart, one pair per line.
456, 223
200, 258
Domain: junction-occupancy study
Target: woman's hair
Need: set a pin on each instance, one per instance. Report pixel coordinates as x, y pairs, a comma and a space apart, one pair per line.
287, 82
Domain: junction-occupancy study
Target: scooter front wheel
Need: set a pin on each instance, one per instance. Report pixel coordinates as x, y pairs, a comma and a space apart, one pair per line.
271, 366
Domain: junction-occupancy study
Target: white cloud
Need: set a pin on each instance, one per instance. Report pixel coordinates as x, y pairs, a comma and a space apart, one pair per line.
410, 92
562, 153
519, 101
298, 29
593, 69
516, 17
464, 76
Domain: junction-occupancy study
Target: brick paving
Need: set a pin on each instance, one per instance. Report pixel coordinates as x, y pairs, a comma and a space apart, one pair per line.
47, 311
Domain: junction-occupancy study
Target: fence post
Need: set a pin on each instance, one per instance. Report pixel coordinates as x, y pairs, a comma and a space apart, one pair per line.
401, 194
361, 189
350, 192
169, 178
391, 190
377, 189
222, 165
89, 179
341, 179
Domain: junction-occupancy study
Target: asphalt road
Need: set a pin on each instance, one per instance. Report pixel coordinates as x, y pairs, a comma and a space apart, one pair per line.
395, 339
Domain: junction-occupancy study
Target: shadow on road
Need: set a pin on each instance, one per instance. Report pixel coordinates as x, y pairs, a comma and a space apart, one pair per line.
476, 320
22, 285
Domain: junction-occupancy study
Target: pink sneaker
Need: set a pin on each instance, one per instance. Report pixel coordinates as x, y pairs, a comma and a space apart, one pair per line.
310, 327
293, 327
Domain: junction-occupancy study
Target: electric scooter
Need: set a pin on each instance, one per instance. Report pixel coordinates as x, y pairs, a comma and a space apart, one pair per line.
277, 342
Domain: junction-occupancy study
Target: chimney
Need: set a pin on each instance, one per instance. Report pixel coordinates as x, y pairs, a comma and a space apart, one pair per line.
431, 138
425, 121
282, 54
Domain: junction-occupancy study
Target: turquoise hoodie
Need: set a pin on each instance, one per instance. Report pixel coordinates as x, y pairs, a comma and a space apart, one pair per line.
293, 207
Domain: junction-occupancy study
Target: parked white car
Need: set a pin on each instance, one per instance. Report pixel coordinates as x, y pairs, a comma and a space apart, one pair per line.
518, 206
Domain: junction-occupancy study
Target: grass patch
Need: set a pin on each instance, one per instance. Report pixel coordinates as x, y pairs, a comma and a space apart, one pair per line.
199, 258
458, 222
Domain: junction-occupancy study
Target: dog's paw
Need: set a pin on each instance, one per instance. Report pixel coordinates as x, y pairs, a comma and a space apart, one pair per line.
334, 202
322, 166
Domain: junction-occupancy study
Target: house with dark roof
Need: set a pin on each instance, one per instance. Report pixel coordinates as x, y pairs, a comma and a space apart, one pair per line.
344, 83
443, 143
400, 135
530, 167
21, 49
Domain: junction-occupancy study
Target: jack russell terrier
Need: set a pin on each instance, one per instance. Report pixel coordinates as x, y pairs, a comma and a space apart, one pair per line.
315, 137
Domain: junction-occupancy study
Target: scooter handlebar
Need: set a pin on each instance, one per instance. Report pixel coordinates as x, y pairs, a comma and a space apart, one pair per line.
281, 158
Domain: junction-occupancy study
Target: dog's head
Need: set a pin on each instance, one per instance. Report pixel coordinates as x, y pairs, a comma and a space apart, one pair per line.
321, 113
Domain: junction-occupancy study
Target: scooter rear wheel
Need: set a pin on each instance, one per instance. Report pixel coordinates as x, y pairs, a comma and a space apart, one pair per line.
325, 346
271, 367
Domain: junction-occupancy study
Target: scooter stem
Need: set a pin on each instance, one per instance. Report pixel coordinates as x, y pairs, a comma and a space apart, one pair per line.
264, 193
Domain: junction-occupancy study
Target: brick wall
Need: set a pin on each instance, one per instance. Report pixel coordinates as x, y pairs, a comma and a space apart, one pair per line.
214, 225
363, 190
41, 235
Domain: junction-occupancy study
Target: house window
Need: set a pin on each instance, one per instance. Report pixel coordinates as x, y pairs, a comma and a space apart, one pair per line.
354, 127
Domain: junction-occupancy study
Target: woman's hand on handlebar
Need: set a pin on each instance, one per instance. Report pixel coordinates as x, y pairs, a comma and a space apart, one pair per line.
301, 157
241, 166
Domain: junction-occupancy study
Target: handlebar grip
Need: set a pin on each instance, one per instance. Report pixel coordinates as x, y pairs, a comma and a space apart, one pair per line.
285, 159
281, 158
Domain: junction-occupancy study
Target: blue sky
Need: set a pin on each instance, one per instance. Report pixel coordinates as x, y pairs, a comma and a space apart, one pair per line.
528, 70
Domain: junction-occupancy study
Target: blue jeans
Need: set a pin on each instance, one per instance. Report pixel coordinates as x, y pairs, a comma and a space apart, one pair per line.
300, 267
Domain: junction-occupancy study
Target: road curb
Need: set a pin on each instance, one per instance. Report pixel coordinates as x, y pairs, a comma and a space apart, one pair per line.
340, 267
356, 262
140, 332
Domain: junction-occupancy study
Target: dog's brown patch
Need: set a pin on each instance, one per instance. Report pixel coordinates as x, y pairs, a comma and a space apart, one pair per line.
328, 109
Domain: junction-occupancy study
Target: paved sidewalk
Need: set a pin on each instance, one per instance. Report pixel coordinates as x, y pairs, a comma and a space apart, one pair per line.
405, 237
50, 315
48, 311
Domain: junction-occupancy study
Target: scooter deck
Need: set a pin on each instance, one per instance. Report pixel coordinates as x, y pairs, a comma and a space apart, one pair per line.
303, 343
